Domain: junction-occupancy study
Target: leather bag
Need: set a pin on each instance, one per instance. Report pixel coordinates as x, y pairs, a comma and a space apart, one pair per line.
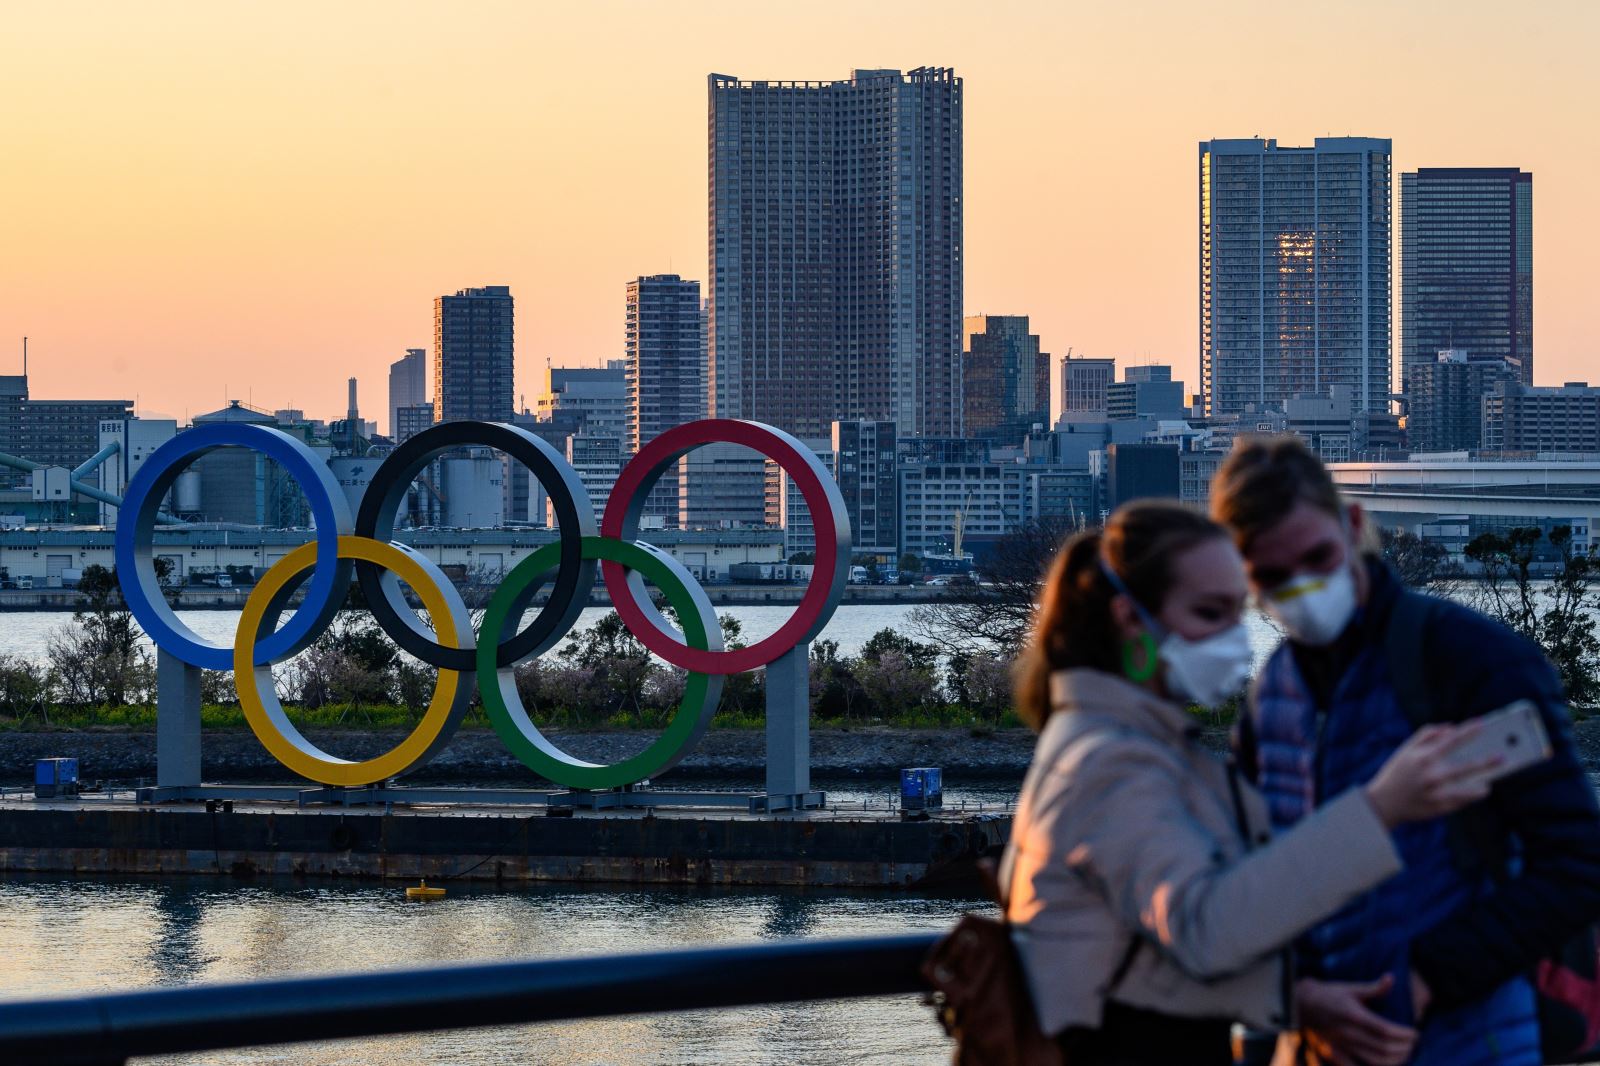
982, 998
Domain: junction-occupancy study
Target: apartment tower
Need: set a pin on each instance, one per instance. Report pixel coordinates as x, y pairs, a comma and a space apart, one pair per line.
1294, 272
835, 244
472, 355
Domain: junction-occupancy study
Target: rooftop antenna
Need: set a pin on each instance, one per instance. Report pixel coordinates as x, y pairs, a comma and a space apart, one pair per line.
24, 356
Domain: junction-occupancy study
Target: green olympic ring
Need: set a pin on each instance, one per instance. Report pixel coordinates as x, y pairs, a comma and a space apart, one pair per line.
499, 686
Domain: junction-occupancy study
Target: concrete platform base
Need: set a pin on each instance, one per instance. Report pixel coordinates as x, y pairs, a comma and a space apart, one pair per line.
825, 848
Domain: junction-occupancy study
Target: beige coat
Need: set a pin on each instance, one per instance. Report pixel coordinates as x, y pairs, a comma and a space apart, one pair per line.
1127, 827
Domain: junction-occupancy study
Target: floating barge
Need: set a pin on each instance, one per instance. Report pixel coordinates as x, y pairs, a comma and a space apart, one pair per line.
845, 848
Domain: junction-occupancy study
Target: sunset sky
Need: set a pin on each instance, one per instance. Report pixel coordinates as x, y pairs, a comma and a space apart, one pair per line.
256, 201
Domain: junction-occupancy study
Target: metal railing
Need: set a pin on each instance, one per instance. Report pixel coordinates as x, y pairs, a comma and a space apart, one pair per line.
102, 1030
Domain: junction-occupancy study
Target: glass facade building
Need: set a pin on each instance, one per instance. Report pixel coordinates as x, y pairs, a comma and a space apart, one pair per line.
1005, 378
1466, 266
1294, 271
835, 244
473, 355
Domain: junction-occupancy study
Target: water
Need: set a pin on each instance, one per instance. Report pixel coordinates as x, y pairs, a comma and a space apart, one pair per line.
67, 936
27, 633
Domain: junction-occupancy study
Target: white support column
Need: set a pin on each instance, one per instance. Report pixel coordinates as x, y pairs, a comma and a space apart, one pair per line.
177, 721
789, 723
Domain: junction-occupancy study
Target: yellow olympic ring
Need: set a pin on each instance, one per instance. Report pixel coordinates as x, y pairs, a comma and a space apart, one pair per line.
258, 694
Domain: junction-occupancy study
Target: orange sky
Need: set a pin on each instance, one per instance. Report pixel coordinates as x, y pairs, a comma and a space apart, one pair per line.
200, 201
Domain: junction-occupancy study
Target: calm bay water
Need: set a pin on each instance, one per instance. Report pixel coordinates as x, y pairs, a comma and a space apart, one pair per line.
64, 936
27, 633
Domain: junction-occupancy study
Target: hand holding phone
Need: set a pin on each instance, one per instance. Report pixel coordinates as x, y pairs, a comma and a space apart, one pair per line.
1443, 768
1515, 734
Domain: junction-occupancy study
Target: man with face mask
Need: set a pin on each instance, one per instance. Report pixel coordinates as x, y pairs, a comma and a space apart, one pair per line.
1443, 952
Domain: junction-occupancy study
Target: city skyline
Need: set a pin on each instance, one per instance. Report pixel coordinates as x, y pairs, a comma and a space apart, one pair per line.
308, 222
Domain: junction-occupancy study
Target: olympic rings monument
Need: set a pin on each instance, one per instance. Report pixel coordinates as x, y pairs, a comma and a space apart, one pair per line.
361, 546
596, 823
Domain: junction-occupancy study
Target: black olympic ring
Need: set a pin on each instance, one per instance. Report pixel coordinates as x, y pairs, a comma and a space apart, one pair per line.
574, 520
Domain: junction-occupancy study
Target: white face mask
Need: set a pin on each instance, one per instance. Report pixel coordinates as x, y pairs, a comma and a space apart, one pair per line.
1209, 670
1315, 608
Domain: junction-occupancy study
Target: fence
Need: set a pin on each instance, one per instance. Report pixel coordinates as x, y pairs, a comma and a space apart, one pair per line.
108, 1029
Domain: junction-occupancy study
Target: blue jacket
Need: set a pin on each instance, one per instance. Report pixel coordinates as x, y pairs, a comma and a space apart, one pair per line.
1324, 720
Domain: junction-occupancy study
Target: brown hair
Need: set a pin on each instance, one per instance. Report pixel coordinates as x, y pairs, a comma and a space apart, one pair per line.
1263, 480
1073, 627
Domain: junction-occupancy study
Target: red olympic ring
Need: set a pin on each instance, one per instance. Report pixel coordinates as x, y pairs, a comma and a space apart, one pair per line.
817, 487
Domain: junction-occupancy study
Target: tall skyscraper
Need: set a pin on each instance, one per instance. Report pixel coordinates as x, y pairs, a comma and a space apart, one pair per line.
667, 377
1466, 266
1294, 271
1005, 378
408, 384
835, 242
472, 355
1084, 383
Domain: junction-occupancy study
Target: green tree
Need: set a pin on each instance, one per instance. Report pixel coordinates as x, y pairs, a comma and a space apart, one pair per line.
97, 659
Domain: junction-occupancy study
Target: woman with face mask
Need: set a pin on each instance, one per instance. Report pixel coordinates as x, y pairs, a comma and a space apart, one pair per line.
1148, 901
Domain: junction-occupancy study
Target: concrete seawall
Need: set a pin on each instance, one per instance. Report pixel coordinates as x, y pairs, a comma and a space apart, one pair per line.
836, 849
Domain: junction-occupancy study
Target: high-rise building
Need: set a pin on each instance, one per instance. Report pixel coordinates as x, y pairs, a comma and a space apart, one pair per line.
591, 399
473, 362
666, 371
1084, 383
722, 486
1294, 271
1145, 392
1005, 378
59, 433
411, 419
668, 381
408, 384
864, 458
1444, 400
836, 246
1466, 266
597, 459
1525, 418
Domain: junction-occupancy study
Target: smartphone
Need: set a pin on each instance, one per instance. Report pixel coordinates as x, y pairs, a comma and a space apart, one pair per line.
1515, 732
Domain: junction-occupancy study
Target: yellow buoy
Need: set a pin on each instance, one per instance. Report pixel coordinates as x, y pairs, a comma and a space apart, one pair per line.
422, 891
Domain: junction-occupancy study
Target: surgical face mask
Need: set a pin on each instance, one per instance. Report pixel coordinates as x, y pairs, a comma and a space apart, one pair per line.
1314, 609
1209, 670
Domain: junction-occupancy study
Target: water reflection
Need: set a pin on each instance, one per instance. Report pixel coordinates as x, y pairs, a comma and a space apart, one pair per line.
64, 935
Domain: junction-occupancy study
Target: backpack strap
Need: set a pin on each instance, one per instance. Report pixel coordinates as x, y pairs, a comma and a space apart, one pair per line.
1403, 643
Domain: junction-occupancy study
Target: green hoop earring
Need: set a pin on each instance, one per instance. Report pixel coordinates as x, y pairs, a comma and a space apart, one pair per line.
1139, 674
